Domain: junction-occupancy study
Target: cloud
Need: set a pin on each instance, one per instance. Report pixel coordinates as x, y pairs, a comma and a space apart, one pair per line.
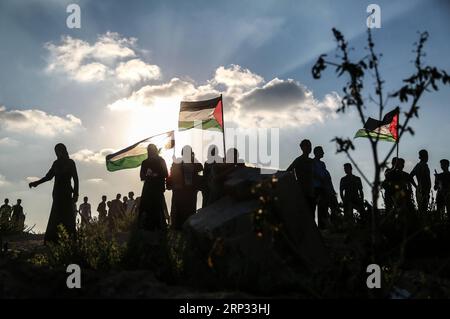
109, 57
236, 76
7, 141
88, 156
249, 100
3, 181
94, 180
38, 122
136, 70
151, 95
281, 103
91, 72
30, 179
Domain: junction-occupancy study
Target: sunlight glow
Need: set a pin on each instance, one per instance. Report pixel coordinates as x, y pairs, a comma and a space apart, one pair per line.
146, 121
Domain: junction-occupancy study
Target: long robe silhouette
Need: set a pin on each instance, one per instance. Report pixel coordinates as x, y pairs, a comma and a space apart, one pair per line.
185, 183
64, 195
152, 203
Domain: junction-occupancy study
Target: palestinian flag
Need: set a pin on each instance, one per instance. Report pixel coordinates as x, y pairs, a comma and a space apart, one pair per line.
204, 115
134, 155
385, 130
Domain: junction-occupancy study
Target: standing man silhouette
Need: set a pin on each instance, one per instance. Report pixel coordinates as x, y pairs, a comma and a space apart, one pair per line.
153, 204
388, 186
352, 194
422, 174
131, 203
325, 195
5, 214
102, 210
185, 183
18, 217
442, 186
302, 167
85, 212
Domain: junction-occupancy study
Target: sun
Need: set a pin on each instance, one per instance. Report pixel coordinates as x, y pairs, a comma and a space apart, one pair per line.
146, 121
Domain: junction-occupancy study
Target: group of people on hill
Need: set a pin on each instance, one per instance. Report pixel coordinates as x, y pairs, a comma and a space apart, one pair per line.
317, 187
109, 211
185, 181
399, 185
12, 218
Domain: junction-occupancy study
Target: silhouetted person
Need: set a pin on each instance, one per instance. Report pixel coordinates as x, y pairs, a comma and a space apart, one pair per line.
302, 167
232, 162
102, 210
442, 186
325, 195
18, 217
388, 186
85, 212
351, 192
152, 204
130, 209
125, 204
5, 215
403, 184
64, 195
212, 190
109, 218
185, 182
422, 173
115, 212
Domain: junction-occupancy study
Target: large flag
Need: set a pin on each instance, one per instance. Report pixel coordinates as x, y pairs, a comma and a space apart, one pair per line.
134, 155
386, 130
201, 114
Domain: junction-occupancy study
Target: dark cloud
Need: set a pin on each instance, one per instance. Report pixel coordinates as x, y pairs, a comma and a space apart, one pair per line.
277, 94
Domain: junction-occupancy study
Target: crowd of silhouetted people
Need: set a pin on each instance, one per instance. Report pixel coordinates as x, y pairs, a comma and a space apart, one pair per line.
12, 218
316, 184
185, 180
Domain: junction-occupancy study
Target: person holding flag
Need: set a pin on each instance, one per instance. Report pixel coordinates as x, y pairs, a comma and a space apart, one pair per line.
153, 173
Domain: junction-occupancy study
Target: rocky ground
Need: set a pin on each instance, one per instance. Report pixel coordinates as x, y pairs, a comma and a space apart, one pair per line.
19, 278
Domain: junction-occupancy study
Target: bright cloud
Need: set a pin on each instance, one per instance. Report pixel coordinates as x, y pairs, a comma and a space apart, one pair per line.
7, 141
236, 76
150, 95
94, 180
136, 70
110, 57
249, 100
3, 181
89, 156
38, 122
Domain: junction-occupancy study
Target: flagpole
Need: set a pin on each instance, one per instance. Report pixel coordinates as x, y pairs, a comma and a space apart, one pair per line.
398, 136
397, 147
223, 128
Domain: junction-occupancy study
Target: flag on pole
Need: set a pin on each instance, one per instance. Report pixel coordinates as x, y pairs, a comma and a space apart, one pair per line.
385, 130
134, 155
207, 114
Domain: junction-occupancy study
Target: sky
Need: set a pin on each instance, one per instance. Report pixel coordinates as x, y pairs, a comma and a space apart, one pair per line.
120, 77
